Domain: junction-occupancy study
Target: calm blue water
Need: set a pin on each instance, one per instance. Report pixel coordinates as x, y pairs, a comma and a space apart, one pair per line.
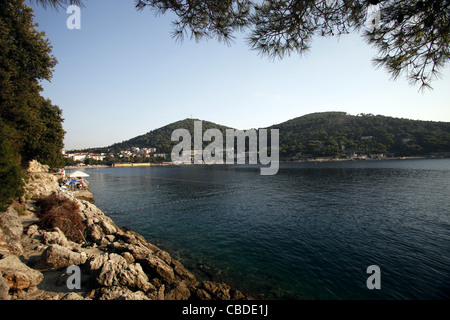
309, 232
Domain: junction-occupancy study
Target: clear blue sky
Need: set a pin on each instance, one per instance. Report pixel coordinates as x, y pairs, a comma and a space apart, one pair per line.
123, 75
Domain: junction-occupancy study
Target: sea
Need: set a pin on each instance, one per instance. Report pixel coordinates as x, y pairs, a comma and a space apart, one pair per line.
313, 231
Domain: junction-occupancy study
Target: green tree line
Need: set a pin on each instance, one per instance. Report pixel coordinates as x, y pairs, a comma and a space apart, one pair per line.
161, 138
322, 134
334, 133
411, 37
30, 125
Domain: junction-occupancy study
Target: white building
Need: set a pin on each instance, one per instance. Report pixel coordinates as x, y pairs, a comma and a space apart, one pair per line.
148, 150
125, 153
98, 157
82, 156
160, 155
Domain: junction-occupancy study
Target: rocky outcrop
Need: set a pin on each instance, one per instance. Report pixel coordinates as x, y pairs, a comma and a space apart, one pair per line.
116, 271
85, 195
17, 274
116, 264
4, 288
38, 182
36, 167
57, 257
11, 230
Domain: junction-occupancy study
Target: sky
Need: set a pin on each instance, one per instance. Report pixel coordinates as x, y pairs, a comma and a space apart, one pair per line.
122, 75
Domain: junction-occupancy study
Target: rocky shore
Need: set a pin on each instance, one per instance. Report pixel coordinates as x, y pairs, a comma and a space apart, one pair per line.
115, 263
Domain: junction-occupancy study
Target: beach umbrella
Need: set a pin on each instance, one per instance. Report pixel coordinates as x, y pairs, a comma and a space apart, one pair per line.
78, 174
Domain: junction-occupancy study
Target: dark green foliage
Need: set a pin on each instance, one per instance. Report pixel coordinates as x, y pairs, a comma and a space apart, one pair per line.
31, 125
62, 213
34, 124
204, 19
279, 28
58, 3
324, 134
413, 36
48, 143
161, 138
70, 162
10, 172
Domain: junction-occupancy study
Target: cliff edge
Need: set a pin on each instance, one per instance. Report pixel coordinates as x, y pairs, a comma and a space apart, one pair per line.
36, 260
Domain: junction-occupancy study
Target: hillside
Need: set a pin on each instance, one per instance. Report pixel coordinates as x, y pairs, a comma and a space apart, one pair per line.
160, 138
324, 134
335, 133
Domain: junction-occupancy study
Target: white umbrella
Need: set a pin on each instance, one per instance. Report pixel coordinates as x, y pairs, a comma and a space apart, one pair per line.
78, 174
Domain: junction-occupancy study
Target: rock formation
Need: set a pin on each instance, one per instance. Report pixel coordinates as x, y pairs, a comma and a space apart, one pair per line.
115, 263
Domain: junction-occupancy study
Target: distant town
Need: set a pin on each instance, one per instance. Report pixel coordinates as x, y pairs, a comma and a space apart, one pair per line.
132, 155
146, 156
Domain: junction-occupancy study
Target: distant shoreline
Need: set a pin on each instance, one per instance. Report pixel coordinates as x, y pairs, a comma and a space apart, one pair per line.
119, 165
359, 159
321, 159
85, 167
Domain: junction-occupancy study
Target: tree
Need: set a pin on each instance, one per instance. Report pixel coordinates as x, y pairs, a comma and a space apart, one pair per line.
10, 173
49, 141
57, 3
31, 127
412, 37
25, 60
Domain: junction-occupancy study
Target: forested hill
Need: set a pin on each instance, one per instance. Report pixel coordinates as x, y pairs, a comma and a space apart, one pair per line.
337, 133
324, 134
161, 138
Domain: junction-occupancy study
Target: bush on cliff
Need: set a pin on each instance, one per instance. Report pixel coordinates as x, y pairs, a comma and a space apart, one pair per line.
62, 213
10, 173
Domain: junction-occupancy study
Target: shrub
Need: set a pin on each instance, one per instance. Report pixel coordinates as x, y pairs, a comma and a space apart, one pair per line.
10, 173
62, 213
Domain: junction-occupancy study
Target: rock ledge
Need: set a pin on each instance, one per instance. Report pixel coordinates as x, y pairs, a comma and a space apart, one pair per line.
115, 264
